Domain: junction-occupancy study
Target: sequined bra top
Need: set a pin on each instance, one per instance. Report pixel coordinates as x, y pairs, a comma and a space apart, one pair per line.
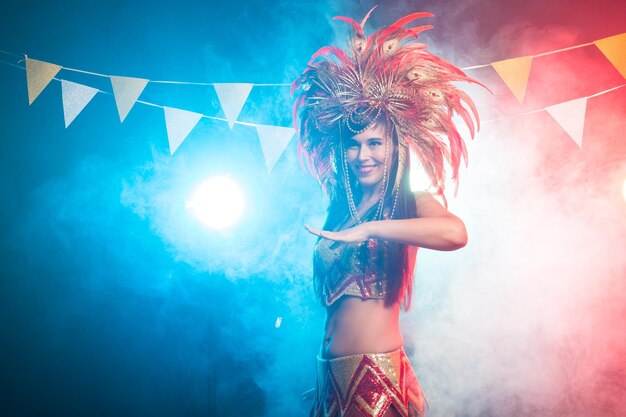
354, 269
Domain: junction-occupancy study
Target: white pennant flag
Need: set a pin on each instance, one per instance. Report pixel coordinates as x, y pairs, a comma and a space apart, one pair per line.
38, 76
571, 116
232, 97
274, 140
126, 91
179, 124
75, 97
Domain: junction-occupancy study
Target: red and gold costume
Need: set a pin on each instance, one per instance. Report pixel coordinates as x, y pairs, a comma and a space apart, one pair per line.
388, 76
363, 385
367, 385
354, 269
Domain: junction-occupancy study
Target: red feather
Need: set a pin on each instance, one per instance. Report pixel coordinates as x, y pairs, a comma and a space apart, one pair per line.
470, 103
465, 116
367, 16
409, 18
417, 30
355, 25
327, 50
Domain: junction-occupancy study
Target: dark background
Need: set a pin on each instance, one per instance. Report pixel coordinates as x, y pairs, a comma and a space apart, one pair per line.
112, 300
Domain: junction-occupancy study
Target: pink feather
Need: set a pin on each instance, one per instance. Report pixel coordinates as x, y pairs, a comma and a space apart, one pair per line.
417, 30
409, 18
355, 25
327, 50
367, 16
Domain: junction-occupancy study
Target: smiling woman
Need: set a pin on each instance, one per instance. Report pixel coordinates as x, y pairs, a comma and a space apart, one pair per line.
361, 113
367, 155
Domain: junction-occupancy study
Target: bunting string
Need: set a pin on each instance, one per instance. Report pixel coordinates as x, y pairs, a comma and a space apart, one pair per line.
288, 84
12, 64
563, 49
10, 53
535, 56
510, 116
97, 74
147, 103
238, 122
274, 139
170, 81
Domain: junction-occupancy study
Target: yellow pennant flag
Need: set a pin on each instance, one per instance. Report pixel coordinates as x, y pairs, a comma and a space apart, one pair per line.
614, 49
514, 72
38, 76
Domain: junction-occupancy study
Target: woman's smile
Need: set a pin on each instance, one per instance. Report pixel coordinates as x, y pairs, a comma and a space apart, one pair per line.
365, 169
366, 153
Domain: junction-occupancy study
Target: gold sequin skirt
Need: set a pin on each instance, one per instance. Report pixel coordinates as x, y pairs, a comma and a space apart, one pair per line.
366, 385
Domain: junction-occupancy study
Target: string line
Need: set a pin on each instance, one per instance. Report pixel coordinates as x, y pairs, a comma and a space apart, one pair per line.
96, 74
280, 85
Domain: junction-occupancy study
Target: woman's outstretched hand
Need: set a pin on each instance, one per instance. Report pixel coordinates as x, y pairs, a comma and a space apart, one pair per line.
359, 233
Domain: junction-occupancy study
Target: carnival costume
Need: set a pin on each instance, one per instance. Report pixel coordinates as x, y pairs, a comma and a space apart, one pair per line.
356, 269
367, 385
387, 75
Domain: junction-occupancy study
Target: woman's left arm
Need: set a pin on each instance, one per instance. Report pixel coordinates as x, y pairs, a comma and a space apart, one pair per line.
433, 228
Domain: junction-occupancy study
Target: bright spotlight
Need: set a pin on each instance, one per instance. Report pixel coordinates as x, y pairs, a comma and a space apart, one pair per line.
218, 202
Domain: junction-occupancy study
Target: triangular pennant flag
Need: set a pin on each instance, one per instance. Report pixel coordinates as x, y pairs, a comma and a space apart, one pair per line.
75, 97
274, 140
614, 48
179, 124
571, 116
38, 76
514, 72
232, 97
126, 91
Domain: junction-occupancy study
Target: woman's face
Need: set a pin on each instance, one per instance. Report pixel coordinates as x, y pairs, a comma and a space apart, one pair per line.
365, 154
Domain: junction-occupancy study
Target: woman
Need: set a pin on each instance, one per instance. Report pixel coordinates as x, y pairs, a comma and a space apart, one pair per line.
361, 112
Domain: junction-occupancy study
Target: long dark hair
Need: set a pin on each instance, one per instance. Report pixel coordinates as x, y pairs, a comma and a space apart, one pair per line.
399, 259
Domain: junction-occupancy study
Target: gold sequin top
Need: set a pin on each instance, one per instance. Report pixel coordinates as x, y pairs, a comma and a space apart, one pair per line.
354, 269
350, 269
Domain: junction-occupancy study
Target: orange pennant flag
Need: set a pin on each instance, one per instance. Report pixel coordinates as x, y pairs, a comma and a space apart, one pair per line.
514, 72
614, 49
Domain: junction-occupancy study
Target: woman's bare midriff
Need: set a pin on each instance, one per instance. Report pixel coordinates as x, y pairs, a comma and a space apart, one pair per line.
354, 326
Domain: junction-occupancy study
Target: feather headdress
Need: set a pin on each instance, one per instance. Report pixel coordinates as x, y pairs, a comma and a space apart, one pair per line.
386, 73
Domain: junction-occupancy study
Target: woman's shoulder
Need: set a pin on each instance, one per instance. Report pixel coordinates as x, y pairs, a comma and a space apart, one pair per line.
422, 198
421, 194
427, 205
